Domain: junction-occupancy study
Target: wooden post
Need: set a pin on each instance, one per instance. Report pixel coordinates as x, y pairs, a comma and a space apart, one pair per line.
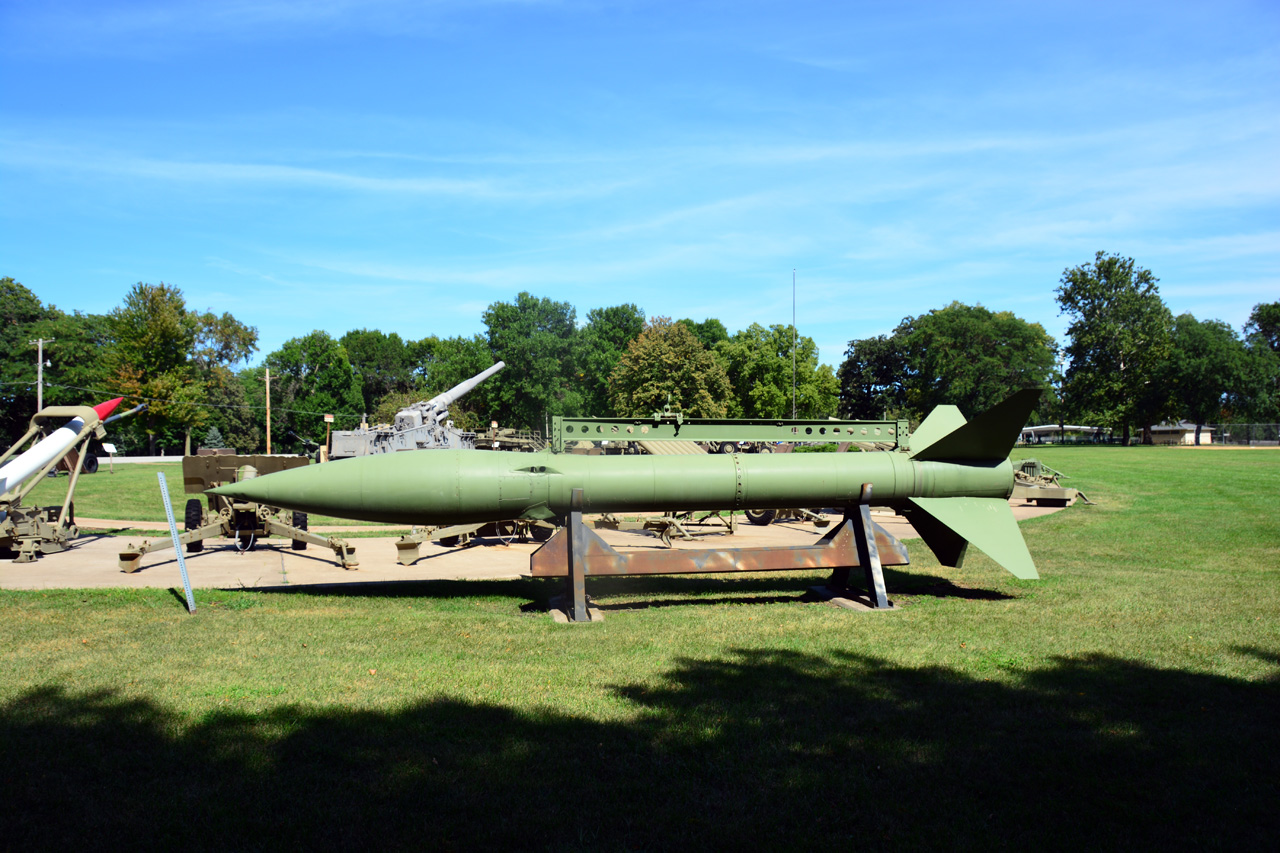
268, 411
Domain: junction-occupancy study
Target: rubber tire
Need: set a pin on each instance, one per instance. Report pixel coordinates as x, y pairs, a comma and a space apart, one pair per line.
90, 464
760, 517
728, 447
191, 521
300, 522
540, 533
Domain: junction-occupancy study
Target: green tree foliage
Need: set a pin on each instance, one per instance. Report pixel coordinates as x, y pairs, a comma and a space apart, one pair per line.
666, 360
446, 363
961, 355
310, 376
179, 361
1121, 337
155, 338
237, 417
1260, 402
973, 358
873, 379
535, 337
758, 362
213, 438
221, 342
710, 331
80, 365
20, 310
153, 328
600, 345
1264, 325
1209, 366
386, 364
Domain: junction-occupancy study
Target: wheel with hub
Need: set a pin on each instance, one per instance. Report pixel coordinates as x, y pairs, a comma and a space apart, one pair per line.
760, 516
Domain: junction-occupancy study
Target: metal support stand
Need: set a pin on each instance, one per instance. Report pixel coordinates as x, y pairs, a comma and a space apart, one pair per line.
576, 552
576, 589
858, 519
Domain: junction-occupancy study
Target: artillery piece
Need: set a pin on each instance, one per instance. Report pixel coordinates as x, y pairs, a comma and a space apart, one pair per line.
243, 521
422, 426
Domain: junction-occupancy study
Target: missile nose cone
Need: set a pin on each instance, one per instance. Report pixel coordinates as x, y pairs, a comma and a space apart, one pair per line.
104, 409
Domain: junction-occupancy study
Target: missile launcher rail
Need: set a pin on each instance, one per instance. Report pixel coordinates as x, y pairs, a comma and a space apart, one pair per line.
674, 426
30, 532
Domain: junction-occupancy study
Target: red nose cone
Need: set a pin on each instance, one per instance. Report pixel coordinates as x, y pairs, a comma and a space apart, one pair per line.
104, 409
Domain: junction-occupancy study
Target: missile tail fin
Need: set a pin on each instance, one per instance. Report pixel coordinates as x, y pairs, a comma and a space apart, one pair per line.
991, 435
949, 525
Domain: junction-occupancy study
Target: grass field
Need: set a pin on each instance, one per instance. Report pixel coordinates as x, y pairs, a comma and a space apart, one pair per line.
130, 492
1128, 700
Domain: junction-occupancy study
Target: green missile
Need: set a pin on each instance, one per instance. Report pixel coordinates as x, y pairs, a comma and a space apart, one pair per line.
952, 483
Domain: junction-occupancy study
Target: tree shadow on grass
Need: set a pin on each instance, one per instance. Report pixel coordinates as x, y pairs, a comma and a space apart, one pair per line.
756, 750
657, 590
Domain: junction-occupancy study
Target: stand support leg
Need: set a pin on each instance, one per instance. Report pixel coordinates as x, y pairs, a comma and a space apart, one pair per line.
576, 594
869, 555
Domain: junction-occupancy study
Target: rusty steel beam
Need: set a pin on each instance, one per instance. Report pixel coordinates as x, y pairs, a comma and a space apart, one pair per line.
839, 548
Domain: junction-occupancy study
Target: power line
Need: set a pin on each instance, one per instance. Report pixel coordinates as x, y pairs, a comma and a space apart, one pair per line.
108, 394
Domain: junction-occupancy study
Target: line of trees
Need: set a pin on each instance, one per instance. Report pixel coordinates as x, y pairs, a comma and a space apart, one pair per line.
193, 369
1129, 364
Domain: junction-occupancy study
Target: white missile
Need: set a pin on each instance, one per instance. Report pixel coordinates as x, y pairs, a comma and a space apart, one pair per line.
16, 470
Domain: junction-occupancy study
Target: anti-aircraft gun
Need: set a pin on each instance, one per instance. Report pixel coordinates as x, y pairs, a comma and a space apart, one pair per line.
422, 426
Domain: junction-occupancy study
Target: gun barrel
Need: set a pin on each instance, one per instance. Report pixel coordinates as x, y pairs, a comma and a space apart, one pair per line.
443, 400
141, 407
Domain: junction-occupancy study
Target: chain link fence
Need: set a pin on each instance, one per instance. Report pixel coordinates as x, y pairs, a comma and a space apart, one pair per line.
1246, 435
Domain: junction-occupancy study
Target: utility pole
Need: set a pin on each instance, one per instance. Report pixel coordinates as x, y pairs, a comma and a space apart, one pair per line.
793, 343
268, 411
39, 345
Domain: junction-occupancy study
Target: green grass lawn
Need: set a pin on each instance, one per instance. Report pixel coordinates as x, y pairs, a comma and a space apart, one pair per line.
1130, 699
130, 492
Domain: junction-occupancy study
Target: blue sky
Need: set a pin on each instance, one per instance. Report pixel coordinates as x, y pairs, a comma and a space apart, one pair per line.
401, 165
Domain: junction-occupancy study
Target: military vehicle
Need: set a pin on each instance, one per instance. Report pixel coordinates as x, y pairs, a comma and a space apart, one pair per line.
422, 426
1035, 482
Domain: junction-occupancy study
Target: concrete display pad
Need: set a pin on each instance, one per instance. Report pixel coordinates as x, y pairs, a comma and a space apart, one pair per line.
92, 561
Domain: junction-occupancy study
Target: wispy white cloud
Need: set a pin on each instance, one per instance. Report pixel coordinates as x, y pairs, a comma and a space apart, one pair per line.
65, 160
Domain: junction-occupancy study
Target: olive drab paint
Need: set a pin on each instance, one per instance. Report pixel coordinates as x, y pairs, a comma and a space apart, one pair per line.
952, 481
